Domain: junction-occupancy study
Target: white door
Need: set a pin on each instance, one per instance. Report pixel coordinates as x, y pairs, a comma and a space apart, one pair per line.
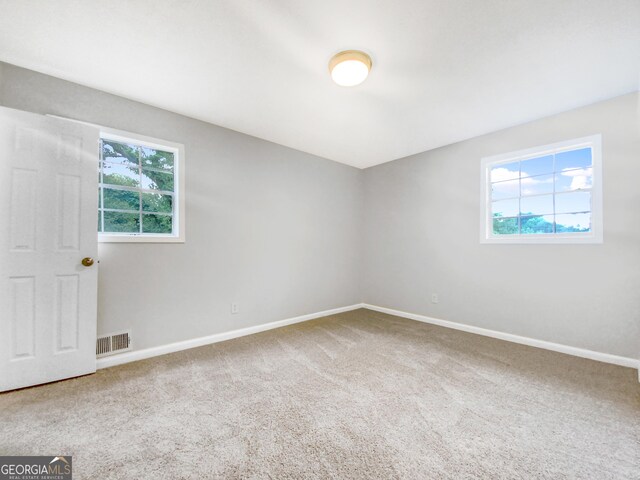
48, 207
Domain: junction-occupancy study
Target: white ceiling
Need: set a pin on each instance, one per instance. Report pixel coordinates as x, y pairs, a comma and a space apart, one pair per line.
443, 70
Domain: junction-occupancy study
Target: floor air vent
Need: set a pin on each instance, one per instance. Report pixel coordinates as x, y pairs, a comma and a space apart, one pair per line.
113, 343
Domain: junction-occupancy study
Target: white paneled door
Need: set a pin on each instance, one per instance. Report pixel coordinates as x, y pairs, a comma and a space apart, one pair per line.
48, 241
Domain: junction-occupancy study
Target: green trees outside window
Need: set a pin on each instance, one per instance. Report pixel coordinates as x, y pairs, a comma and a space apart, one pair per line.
137, 189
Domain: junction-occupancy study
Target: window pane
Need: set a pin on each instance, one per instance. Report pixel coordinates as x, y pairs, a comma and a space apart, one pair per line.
157, 224
505, 226
537, 185
536, 166
573, 222
505, 208
156, 159
152, 202
536, 224
573, 202
573, 159
157, 180
125, 175
576, 179
540, 205
121, 222
122, 153
508, 189
99, 221
121, 199
505, 171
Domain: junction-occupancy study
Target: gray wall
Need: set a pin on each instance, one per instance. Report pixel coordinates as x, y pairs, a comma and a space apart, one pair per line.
422, 236
271, 228
284, 233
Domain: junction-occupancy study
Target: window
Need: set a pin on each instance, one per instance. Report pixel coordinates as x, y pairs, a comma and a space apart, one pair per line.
140, 189
548, 194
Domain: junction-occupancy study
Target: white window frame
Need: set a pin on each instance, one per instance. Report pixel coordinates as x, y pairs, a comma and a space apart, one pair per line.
486, 220
178, 235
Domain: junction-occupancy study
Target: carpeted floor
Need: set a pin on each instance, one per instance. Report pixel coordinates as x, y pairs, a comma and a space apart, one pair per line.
356, 395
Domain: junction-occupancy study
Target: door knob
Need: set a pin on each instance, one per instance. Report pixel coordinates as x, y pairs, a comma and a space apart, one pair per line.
87, 261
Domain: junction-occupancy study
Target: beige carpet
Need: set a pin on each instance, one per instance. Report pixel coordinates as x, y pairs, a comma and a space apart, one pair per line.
356, 395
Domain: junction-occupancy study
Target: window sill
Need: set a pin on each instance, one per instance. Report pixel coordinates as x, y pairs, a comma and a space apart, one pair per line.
102, 238
538, 239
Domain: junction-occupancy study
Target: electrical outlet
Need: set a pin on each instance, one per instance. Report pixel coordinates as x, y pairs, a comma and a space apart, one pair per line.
435, 298
235, 308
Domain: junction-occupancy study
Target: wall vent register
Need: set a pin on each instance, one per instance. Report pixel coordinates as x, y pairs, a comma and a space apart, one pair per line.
113, 343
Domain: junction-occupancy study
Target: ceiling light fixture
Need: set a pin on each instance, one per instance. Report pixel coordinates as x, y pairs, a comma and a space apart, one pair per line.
350, 68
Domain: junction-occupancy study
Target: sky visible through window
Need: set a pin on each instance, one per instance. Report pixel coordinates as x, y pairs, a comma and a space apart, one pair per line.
548, 194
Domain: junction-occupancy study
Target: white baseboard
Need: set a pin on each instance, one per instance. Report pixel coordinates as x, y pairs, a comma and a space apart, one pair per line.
532, 342
135, 355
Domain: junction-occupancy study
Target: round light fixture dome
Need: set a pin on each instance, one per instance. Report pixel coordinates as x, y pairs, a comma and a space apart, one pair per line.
350, 68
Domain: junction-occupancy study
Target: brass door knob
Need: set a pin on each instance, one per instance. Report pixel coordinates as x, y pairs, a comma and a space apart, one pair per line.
87, 261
